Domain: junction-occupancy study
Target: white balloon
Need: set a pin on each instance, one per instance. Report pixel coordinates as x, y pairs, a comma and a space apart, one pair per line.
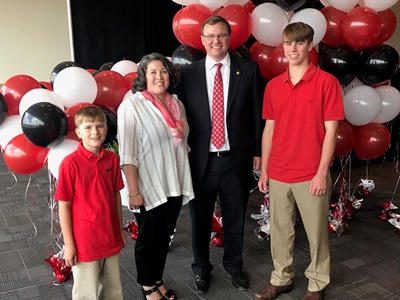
315, 19
325, 3
39, 95
124, 67
213, 4
10, 128
346, 5
269, 21
58, 153
377, 5
361, 105
390, 103
75, 84
186, 2
239, 2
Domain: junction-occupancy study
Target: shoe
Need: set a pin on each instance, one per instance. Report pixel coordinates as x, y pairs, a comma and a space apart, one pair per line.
201, 284
273, 291
169, 294
240, 281
149, 292
319, 295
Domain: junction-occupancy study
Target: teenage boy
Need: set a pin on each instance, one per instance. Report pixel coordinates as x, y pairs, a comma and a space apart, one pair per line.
90, 210
301, 108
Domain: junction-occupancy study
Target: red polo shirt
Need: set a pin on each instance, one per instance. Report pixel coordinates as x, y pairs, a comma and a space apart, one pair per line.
89, 182
299, 113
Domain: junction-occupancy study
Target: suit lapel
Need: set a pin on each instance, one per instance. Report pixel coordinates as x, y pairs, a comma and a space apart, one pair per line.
234, 80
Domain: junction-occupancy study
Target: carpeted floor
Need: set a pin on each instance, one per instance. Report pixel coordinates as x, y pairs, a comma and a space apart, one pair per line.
365, 258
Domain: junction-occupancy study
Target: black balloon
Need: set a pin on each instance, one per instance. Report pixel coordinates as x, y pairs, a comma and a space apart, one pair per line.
395, 80
377, 64
111, 124
61, 66
107, 66
186, 55
3, 108
310, 4
44, 124
291, 4
242, 51
340, 61
258, 2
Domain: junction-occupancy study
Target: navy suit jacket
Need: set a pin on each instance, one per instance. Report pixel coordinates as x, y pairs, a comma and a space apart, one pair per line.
243, 117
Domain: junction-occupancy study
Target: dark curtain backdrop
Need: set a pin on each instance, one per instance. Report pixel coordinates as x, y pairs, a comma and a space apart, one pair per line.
110, 31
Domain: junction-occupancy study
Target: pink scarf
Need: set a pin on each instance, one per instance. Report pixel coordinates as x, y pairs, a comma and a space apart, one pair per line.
171, 114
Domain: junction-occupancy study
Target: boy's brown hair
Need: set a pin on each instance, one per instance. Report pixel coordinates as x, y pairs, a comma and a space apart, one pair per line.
298, 32
90, 113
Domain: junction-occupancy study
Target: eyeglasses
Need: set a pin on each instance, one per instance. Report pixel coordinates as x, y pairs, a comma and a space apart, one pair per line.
221, 36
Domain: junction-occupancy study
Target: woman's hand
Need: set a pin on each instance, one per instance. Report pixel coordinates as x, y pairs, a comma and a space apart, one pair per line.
136, 202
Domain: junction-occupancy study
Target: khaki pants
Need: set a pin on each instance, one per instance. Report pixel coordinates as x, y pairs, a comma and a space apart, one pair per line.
100, 279
314, 212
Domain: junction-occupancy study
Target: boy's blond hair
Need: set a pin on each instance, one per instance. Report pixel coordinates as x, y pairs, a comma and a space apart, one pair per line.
90, 113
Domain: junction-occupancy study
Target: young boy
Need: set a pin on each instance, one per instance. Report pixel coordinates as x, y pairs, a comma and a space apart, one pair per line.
90, 210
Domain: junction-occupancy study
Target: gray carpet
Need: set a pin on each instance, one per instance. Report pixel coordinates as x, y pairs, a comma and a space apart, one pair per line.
365, 258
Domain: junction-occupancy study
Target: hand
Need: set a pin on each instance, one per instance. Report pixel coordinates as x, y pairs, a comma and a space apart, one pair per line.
263, 182
136, 202
256, 163
123, 237
318, 185
70, 256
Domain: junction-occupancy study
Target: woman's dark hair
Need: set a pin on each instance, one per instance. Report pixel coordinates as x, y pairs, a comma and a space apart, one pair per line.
140, 83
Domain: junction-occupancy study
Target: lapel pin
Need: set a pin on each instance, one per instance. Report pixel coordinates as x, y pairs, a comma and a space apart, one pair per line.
237, 72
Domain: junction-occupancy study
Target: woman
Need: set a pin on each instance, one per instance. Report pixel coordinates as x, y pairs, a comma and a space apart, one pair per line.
152, 137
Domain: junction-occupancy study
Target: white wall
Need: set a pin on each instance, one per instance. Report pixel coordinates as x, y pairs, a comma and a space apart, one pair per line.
34, 37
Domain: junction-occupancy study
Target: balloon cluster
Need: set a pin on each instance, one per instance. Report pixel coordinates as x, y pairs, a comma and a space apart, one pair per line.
37, 118
57, 263
263, 231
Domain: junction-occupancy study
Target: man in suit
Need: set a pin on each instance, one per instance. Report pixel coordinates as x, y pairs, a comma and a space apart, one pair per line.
225, 147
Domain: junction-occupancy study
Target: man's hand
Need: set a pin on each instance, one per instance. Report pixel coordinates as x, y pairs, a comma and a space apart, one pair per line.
263, 183
318, 185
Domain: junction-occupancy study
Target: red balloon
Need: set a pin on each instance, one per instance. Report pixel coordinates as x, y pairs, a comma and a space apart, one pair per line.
262, 54
130, 77
70, 112
46, 85
189, 22
279, 63
345, 138
361, 27
175, 26
91, 71
313, 56
371, 140
388, 26
15, 88
334, 19
23, 157
249, 6
111, 88
241, 23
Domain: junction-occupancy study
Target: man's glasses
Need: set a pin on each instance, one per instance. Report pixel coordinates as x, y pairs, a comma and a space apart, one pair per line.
221, 36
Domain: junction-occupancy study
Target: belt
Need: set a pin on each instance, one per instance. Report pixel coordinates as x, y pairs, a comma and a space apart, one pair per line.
220, 153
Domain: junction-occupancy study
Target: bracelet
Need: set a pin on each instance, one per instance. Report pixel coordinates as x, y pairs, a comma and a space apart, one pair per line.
134, 195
